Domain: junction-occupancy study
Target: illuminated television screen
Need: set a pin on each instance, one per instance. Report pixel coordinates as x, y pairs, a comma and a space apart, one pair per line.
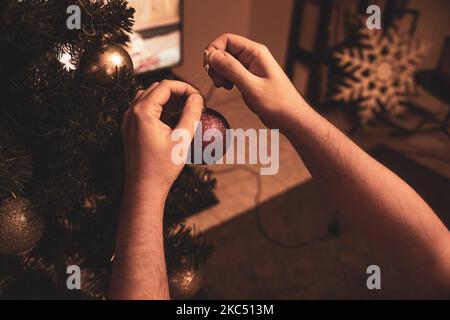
156, 39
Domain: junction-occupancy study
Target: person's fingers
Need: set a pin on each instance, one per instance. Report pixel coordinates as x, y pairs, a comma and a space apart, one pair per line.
191, 112
150, 89
219, 81
227, 66
228, 85
138, 95
241, 48
167, 88
142, 93
153, 85
161, 94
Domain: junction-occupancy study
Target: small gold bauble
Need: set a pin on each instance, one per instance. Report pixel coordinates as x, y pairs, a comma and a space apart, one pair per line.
21, 227
103, 65
185, 281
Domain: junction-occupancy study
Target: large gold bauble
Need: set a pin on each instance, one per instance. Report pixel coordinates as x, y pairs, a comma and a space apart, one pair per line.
21, 227
103, 65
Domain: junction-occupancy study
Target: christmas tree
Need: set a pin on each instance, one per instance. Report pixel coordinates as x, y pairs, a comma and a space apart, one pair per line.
61, 153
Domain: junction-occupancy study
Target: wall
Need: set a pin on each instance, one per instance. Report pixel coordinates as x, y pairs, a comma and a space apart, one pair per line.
433, 26
204, 20
268, 21
265, 21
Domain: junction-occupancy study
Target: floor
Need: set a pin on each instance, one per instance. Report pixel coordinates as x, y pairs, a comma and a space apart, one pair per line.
236, 186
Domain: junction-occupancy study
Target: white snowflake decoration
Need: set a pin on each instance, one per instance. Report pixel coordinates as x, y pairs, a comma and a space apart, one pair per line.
381, 71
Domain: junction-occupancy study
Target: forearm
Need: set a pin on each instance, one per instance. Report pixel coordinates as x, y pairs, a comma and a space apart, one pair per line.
378, 203
392, 216
139, 270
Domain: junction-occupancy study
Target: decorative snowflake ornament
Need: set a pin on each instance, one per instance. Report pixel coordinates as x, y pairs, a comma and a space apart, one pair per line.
380, 73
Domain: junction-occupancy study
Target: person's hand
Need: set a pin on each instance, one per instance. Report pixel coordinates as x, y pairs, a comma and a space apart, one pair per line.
147, 140
235, 60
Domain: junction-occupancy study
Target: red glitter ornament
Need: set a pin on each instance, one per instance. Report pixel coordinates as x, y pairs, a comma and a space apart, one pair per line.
204, 136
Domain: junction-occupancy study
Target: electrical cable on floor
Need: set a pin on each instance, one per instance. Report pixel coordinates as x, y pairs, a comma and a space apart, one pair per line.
333, 228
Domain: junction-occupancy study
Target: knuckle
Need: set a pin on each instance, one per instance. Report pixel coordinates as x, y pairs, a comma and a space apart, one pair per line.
263, 48
135, 113
139, 114
233, 69
227, 35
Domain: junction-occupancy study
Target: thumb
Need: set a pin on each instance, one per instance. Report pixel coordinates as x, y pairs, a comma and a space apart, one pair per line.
191, 112
227, 66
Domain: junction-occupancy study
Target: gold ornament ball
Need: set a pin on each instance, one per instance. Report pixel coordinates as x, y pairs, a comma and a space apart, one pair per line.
185, 281
21, 227
102, 66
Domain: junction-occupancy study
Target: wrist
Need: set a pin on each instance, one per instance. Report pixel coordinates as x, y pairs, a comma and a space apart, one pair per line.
147, 184
304, 124
295, 116
141, 194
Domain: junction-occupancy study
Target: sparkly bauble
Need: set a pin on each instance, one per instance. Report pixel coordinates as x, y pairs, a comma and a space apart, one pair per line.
185, 280
204, 136
103, 65
21, 227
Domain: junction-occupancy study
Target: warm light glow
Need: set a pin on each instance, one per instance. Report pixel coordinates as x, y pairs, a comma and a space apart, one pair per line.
116, 59
66, 60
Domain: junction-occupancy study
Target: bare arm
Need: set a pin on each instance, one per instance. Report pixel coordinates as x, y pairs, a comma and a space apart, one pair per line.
139, 270
388, 212
139, 263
